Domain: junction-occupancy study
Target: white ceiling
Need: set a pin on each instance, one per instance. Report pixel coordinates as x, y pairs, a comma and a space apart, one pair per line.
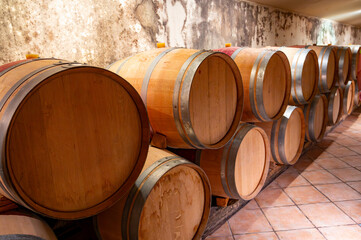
344, 11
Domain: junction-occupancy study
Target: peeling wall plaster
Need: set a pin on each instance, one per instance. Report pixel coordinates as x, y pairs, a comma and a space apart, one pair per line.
101, 31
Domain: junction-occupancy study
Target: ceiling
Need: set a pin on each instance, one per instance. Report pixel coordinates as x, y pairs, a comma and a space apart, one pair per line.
344, 11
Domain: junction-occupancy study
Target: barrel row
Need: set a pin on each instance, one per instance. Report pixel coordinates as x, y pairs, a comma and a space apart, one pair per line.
198, 112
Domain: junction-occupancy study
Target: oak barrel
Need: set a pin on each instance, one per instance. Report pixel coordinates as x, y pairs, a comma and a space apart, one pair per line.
193, 97
327, 62
316, 118
170, 200
334, 109
239, 169
344, 60
348, 97
287, 136
262, 69
356, 64
304, 72
20, 225
74, 138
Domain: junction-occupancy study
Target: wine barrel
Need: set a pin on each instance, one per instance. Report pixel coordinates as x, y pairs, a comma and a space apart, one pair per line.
348, 98
344, 56
18, 225
194, 98
74, 138
238, 170
262, 69
316, 118
334, 109
355, 63
304, 72
287, 136
327, 63
170, 200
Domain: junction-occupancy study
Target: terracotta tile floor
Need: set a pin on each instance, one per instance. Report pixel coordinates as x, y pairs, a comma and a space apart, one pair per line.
317, 198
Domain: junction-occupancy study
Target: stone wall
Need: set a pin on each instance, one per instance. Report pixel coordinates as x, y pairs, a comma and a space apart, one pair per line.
101, 31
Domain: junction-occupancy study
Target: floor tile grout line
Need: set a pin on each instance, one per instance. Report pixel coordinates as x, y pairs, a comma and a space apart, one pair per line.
266, 216
347, 183
328, 197
229, 227
315, 203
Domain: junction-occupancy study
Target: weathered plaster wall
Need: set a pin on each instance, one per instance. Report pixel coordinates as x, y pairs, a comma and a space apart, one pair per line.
100, 31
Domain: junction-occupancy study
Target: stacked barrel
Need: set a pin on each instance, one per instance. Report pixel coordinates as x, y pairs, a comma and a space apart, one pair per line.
194, 100
75, 138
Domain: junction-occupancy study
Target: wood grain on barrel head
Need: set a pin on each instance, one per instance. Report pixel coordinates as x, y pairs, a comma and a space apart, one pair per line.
250, 162
213, 100
174, 207
293, 135
71, 131
274, 86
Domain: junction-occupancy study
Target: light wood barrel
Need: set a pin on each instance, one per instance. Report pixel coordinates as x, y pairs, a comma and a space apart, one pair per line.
334, 110
262, 69
348, 98
355, 62
344, 56
17, 225
63, 126
287, 136
194, 98
304, 71
170, 200
316, 118
239, 170
327, 63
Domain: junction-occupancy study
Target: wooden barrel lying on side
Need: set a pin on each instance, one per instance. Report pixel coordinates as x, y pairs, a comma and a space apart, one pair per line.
238, 170
348, 98
316, 118
355, 63
334, 109
344, 56
194, 98
287, 136
262, 69
63, 125
327, 63
20, 225
170, 200
304, 71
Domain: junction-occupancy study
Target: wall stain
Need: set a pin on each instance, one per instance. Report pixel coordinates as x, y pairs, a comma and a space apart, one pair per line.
102, 31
